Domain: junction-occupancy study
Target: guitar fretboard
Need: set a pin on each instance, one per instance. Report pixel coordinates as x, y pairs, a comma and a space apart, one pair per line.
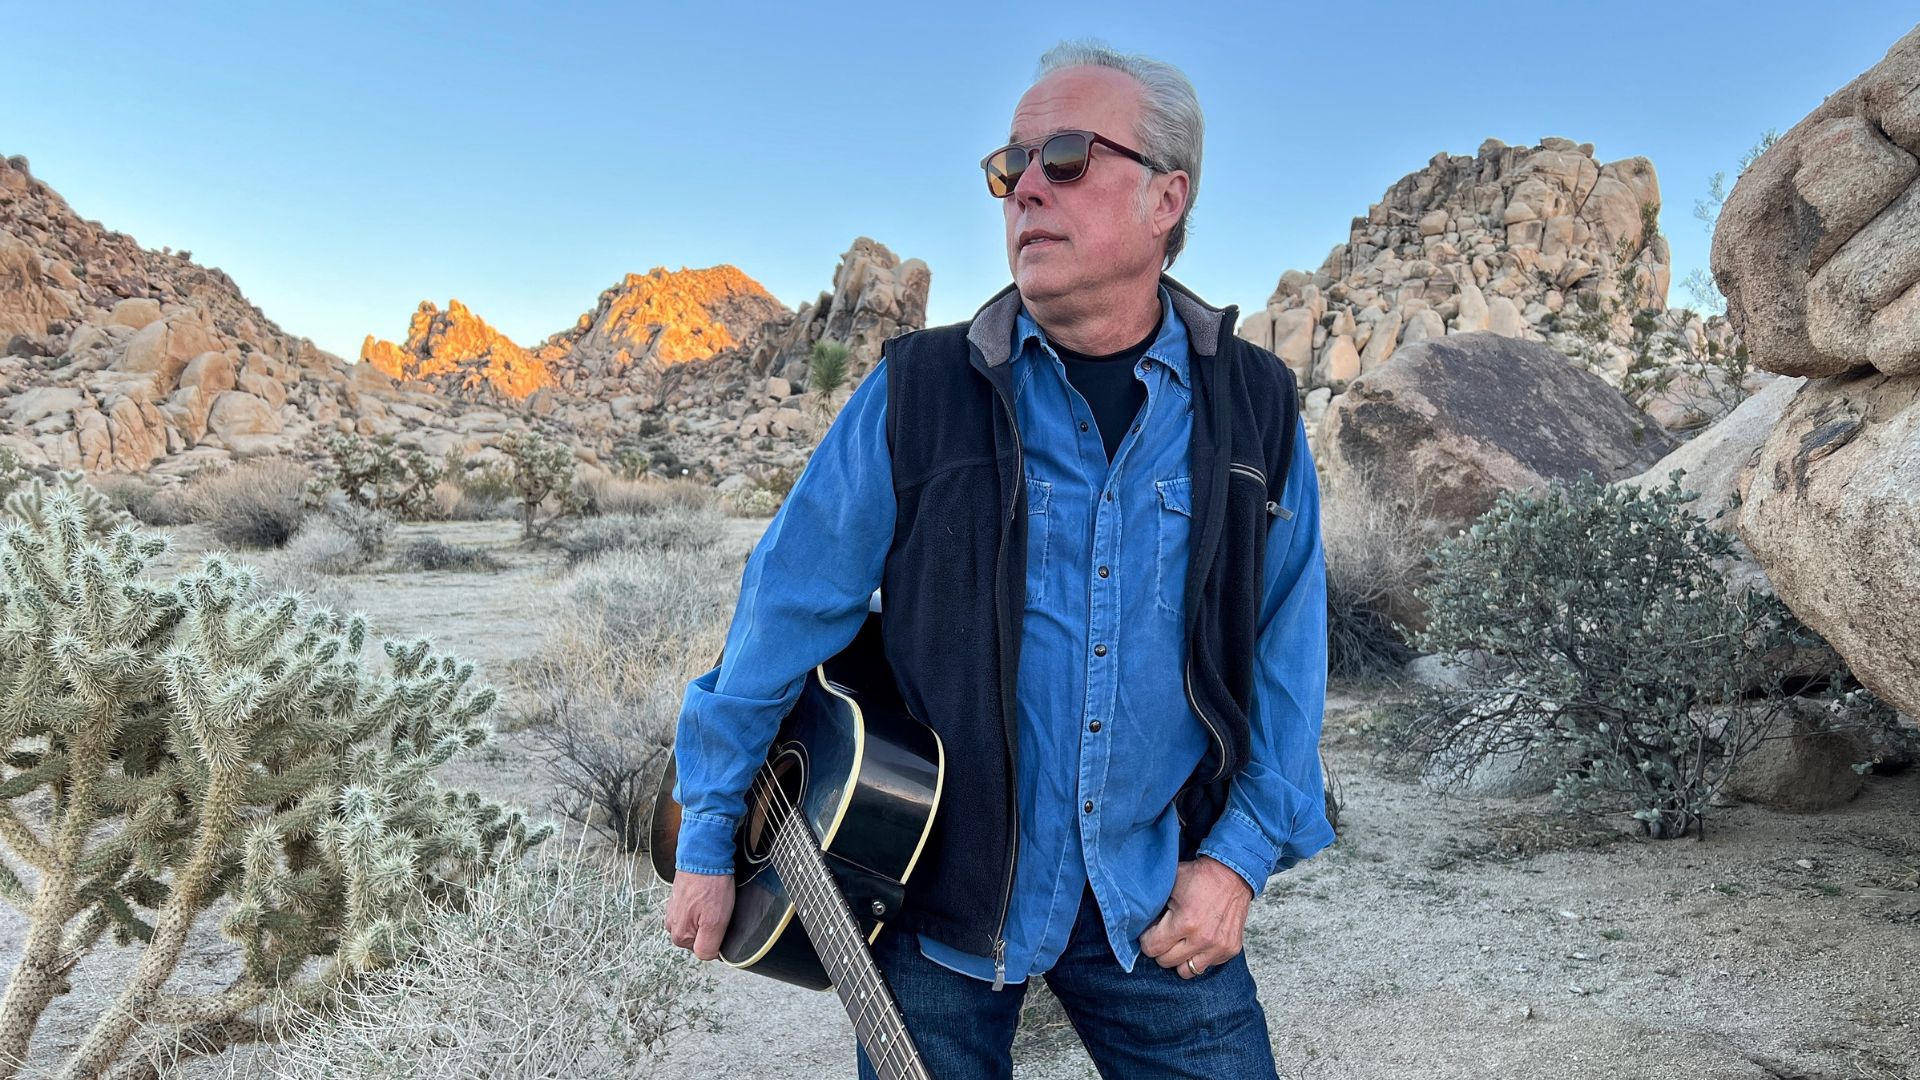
842, 948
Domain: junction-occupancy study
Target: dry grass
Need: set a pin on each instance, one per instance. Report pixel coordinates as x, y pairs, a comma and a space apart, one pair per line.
667, 528
1376, 555
558, 967
255, 504
609, 495
610, 676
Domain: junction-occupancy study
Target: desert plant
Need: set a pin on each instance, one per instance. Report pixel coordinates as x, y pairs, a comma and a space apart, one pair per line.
433, 553
1613, 640
256, 504
170, 746
379, 474
31, 500
13, 472
1376, 554
149, 502
552, 968
542, 479
671, 528
827, 371
611, 672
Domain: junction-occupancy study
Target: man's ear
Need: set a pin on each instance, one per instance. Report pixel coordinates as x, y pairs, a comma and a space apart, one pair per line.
1170, 200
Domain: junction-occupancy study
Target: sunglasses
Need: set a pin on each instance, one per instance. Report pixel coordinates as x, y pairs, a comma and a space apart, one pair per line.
1063, 159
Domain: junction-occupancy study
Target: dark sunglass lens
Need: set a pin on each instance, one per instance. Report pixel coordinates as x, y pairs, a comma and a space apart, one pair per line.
1004, 169
1064, 157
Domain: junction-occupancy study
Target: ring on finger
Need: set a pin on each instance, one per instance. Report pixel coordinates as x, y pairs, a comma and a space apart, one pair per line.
1190, 966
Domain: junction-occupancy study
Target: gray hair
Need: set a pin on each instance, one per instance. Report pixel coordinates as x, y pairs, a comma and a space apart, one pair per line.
1171, 127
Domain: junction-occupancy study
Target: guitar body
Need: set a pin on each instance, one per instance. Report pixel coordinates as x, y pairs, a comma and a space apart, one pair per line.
864, 775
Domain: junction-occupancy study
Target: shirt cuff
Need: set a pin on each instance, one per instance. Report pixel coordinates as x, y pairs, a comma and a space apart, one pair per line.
706, 844
1239, 843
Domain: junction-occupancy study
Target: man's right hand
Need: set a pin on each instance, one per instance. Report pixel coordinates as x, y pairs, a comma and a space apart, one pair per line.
698, 911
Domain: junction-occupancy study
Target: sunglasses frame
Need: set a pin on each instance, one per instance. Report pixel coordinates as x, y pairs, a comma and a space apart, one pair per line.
1093, 138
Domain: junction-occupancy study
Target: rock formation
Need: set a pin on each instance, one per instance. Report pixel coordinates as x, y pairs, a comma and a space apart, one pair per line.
457, 353
1464, 417
1818, 252
121, 358
1542, 243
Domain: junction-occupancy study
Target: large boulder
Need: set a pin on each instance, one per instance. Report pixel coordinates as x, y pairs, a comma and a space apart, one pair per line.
1817, 248
1718, 465
1833, 515
1446, 424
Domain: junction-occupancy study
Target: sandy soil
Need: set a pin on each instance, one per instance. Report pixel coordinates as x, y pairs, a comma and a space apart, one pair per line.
1442, 936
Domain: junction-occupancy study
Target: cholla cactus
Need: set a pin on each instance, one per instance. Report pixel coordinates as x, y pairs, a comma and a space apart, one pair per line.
29, 502
200, 746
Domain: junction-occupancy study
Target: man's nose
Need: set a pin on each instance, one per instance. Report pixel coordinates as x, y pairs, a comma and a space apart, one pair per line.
1033, 187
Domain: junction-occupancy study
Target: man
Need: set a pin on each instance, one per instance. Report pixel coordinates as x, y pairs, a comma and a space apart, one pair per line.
1094, 522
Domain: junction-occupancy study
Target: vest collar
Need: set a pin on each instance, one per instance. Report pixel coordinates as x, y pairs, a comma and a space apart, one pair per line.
991, 330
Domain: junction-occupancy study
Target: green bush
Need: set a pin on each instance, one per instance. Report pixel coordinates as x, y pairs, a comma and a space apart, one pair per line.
1613, 640
377, 474
167, 748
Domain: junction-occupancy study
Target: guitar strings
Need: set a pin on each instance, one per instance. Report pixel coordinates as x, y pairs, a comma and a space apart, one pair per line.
902, 1053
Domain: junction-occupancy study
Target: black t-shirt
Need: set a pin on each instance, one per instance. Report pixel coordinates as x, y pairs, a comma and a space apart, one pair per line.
1109, 385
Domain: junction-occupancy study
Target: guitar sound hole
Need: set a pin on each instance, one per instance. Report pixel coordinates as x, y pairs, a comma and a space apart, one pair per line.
771, 802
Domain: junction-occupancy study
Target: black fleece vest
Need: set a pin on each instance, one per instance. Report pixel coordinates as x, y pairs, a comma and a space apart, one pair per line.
954, 585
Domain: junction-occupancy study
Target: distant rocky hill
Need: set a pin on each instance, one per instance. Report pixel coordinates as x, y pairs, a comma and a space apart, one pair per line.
121, 358
1544, 243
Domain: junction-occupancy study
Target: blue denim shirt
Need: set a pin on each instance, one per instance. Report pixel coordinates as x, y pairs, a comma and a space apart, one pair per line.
1103, 747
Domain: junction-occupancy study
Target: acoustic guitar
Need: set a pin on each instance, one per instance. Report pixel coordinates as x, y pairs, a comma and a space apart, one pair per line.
835, 819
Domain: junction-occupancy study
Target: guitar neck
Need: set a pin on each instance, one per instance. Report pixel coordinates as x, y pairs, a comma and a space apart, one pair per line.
842, 949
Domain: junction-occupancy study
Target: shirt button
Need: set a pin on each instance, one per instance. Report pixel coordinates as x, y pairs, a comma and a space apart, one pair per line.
1136, 427
1103, 571
1109, 496
1093, 725
1100, 649
1089, 807
1146, 365
1083, 425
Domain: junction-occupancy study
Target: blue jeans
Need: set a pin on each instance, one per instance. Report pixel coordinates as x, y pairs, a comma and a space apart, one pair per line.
1142, 1025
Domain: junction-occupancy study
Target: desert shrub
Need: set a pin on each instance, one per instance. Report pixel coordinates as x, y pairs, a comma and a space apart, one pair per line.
255, 504
340, 538
1376, 555
1613, 640
542, 480
556, 967
671, 528
610, 673
606, 494
169, 747
433, 553
148, 502
451, 501
380, 475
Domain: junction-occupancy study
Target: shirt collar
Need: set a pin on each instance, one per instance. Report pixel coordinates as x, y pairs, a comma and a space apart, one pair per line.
1170, 347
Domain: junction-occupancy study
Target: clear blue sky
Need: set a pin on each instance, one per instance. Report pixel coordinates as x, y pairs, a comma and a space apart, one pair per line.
344, 162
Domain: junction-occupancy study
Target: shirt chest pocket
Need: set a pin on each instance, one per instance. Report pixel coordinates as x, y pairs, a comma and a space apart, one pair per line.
1172, 526
1039, 537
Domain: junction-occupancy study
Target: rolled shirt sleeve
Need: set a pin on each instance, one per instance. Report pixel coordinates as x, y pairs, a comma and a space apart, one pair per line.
803, 597
1276, 806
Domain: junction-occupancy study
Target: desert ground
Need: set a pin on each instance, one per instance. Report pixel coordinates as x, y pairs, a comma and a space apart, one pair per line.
1444, 935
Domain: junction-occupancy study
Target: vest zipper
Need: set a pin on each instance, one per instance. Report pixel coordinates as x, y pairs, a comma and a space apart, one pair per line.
1013, 773
1212, 731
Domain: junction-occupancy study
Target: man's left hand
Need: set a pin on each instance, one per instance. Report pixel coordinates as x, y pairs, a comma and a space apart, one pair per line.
1204, 919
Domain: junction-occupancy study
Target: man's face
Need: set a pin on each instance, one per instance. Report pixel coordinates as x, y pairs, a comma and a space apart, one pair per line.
1105, 236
